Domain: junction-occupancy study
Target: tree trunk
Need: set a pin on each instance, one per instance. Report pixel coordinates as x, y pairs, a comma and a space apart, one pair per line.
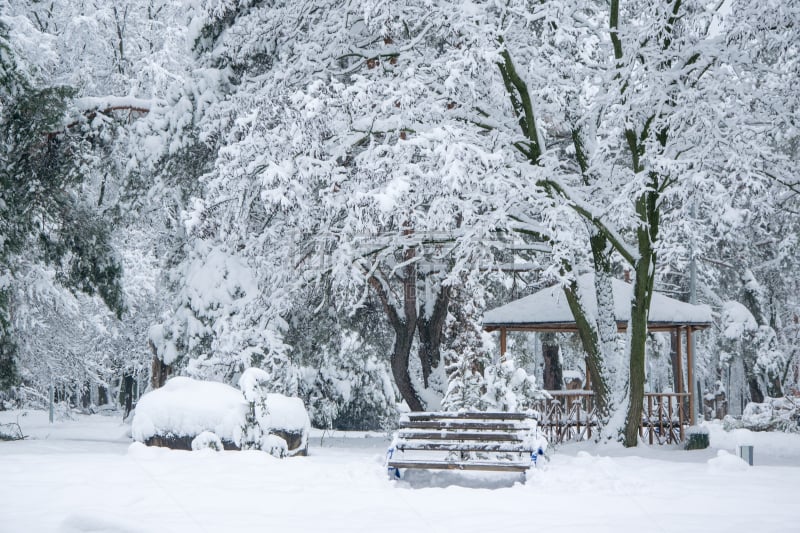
640, 310
553, 378
677, 376
404, 337
429, 329
404, 327
587, 331
159, 371
128, 388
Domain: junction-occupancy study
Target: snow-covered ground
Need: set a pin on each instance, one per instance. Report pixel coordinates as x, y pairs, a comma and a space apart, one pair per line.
85, 475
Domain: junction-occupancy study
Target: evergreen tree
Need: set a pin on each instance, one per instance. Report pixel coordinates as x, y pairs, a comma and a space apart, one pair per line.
44, 220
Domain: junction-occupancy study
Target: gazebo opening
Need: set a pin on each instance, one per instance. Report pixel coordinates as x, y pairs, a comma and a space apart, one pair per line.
570, 414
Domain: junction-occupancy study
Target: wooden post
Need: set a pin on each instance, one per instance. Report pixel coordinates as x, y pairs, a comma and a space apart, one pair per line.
679, 356
690, 377
503, 344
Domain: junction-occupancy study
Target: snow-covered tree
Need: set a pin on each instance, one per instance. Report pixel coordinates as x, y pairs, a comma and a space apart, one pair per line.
52, 236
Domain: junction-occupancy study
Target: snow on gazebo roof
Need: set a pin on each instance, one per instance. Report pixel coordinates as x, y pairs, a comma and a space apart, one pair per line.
548, 310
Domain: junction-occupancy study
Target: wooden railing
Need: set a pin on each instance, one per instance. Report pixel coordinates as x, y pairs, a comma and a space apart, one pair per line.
571, 416
568, 416
664, 417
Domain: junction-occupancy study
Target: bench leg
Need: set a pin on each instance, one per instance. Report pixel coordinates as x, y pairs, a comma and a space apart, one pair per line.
394, 473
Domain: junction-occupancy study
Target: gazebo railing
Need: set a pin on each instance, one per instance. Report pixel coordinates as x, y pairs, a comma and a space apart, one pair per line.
664, 417
571, 415
568, 415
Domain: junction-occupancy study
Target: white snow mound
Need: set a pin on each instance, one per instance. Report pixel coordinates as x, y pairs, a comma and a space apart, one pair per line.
727, 462
186, 407
287, 413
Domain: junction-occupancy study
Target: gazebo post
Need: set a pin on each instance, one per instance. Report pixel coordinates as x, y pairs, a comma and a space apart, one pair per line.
679, 357
503, 332
690, 376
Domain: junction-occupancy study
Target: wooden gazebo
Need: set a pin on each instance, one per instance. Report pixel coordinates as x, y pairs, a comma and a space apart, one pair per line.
569, 413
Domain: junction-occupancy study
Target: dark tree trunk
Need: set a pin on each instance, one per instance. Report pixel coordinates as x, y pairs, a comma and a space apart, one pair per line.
159, 371
401, 353
646, 234
754, 387
127, 383
590, 340
429, 329
553, 378
404, 328
677, 376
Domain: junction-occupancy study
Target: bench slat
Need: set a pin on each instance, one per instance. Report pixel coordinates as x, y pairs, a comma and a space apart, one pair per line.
459, 435
468, 465
467, 416
463, 424
449, 446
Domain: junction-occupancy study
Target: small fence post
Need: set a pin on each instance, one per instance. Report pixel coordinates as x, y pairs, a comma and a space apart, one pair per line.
746, 453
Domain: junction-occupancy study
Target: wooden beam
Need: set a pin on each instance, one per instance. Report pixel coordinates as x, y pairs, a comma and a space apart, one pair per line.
503, 332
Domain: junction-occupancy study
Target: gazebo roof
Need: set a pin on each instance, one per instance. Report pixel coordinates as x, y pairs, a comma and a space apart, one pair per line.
547, 310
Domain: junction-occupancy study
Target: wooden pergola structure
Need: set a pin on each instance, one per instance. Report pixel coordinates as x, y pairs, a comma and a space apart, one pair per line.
664, 417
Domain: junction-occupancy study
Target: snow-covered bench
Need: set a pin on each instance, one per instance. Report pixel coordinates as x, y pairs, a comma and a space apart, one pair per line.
500, 442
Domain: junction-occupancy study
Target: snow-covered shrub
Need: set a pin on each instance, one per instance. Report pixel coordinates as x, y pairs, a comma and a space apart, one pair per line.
465, 387
346, 381
776, 414
275, 446
207, 440
697, 438
466, 354
270, 415
509, 388
253, 385
221, 324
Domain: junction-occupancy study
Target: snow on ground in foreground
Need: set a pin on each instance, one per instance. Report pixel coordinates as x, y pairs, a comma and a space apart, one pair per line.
85, 475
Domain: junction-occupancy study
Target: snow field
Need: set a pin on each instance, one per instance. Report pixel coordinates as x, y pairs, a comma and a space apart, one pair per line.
86, 476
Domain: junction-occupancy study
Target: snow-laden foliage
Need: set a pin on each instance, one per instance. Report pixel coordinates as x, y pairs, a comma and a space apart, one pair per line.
334, 191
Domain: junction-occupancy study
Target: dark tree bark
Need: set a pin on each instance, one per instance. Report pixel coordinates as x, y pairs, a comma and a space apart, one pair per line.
159, 371
553, 373
673, 356
404, 328
127, 384
590, 340
429, 330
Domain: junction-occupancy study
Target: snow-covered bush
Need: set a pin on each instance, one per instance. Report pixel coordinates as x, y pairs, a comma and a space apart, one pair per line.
509, 388
275, 446
345, 377
207, 441
697, 438
776, 414
467, 351
270, 415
